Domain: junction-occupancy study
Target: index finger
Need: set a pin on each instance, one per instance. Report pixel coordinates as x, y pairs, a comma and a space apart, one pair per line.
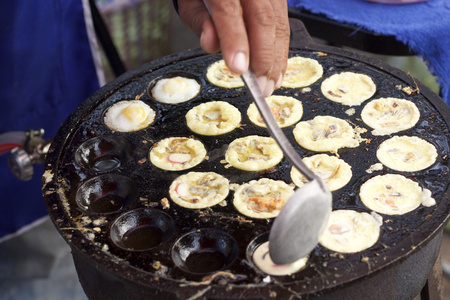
231, 31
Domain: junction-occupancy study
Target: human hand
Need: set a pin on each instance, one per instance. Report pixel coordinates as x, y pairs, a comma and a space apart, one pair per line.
248, 32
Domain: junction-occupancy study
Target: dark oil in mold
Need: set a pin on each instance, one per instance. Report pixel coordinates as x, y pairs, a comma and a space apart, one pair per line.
107, 204
105, 164
142, 238
205, 261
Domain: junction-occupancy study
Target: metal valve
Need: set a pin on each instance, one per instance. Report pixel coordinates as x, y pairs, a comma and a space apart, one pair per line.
21, 161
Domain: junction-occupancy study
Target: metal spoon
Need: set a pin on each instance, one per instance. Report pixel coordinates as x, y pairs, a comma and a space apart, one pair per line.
296, 230
303, 218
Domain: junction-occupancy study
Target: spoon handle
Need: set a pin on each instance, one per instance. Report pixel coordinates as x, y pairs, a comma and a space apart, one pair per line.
272, 126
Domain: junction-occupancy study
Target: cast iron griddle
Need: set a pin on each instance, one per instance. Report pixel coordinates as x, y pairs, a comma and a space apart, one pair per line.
142, 185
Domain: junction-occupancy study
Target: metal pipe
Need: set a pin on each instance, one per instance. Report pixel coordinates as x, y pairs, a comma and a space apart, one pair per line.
11, 140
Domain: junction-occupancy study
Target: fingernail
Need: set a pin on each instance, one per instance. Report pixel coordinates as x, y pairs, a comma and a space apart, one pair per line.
240, 62
202, 36
203, 40
262, 81
279, 82
269, 88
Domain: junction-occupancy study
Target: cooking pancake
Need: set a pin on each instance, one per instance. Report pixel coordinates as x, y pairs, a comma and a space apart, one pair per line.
253, 153
335, 172
261, 258
348, 88
301, 72
263, 198
390, 115
219, 74
213, 118
349, 231
175, 90
286, 110
199, 189
177, 153
394, 194
407, 153
326, 133
128, 116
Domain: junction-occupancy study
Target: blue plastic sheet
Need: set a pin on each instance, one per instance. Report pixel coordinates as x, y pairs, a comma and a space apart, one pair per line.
46, 71
424, 27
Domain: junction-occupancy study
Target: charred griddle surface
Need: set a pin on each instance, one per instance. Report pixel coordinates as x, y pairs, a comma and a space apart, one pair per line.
148, 185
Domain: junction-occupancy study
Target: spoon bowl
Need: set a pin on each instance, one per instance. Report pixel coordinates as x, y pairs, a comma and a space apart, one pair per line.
301, 222
297, 229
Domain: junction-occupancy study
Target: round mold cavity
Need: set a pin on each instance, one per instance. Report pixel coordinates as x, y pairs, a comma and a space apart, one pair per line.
285, 273
255, 243
128, 128
152, 84
105, 194
103, 153
141, 229
204, 251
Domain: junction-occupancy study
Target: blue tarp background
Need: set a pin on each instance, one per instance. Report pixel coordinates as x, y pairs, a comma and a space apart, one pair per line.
46, 71
424, 27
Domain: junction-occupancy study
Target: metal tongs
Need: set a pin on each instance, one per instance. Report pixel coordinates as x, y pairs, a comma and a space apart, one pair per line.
297, 229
